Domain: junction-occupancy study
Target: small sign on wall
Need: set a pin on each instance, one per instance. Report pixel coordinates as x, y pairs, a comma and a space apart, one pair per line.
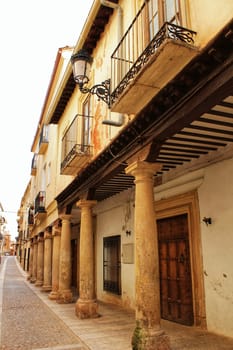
128, 253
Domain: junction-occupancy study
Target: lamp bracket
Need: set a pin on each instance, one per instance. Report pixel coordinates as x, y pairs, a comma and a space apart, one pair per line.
102, 91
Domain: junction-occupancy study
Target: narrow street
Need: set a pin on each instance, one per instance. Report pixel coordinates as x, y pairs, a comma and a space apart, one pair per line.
30, 320
26, 322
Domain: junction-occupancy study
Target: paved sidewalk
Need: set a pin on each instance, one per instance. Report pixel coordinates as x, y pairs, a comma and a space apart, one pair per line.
111, 331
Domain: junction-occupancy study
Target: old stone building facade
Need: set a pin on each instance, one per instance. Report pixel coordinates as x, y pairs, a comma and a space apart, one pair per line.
130, 197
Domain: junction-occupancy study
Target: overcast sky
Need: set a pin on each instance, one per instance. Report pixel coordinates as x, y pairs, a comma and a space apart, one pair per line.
32, 31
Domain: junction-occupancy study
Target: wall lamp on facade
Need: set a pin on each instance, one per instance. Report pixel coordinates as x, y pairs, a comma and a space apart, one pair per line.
207, 221
81, 64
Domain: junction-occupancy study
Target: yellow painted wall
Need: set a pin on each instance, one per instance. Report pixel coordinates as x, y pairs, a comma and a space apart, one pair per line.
215, 195
207, 17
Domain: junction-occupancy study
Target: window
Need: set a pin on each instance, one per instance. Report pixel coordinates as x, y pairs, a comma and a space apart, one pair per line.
160, 11
70, 138
49, 174
112, 264
43, 178
153, 13
86, 126
171, 11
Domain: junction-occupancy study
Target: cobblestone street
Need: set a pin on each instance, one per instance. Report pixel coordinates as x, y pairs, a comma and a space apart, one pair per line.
26, 322
30, 320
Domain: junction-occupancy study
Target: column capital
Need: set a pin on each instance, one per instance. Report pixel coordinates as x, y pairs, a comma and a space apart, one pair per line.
141, 168
65, 217
40, 239
35, 239
47, 235
83, 203
56, 231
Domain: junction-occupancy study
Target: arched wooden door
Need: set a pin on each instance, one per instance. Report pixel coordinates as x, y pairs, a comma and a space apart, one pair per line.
175, 271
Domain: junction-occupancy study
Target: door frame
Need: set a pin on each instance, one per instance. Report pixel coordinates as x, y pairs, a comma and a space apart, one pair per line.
188, 204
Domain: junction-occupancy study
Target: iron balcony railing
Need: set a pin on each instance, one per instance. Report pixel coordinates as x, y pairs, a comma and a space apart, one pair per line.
77, 150
40, 203
44, 135
135, 48
79, 129
30, 216
34, 164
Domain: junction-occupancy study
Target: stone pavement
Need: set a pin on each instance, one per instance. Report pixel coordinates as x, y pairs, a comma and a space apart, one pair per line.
30, 320
27, 322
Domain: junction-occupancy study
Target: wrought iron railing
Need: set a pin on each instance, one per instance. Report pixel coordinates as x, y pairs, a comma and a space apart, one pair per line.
76, 131
40, 203
44, 135
77, 150
135, 49
34, 162
31, 216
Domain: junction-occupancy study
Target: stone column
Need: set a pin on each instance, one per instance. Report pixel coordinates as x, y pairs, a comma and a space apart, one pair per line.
64, 292
56, 233
148, 334
34, 261
40, 261
30, 261
47, 286
86, 305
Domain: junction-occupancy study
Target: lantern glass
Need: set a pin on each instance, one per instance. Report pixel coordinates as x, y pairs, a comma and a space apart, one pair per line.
81, 64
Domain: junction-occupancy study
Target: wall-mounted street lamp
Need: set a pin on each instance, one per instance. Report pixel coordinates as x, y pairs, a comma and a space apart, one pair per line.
81, 64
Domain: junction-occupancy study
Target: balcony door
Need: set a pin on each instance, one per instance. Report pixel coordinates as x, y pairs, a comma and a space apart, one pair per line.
159, 12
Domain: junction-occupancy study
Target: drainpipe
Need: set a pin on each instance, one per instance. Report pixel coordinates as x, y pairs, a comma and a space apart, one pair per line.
114, 6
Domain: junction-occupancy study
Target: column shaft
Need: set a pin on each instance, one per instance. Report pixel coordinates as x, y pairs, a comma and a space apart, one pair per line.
47, 286
30, 261
40, 262
56, 233
65, 294
148, 334
86, 306
34, 261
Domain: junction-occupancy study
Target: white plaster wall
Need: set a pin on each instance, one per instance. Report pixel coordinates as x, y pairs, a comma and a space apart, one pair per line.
216, 199
114, 217
215, 191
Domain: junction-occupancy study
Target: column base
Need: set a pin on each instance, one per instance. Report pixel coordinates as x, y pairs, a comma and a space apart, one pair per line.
39, 283
86, 309
46, 288
64, 297
144, 339
32, 280
53, 295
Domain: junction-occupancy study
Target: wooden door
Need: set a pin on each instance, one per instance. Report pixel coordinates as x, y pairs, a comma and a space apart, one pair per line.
175, 272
